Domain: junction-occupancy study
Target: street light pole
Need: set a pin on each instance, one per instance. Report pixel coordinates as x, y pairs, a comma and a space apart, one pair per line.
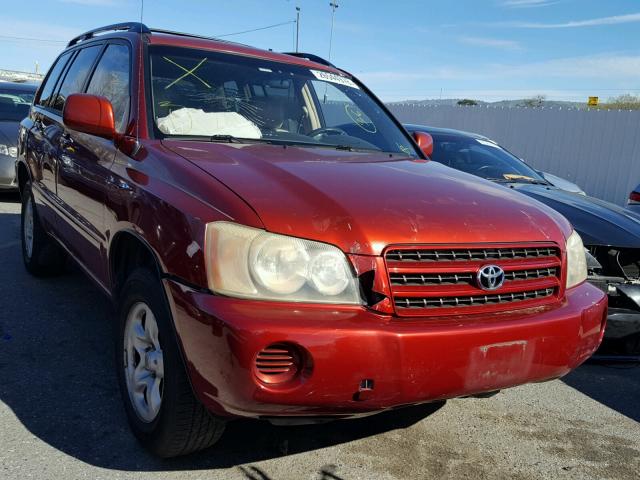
297, 28
333, 6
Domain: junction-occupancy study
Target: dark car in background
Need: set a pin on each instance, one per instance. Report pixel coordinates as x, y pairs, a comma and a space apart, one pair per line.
633, 203
611, 234
15, 101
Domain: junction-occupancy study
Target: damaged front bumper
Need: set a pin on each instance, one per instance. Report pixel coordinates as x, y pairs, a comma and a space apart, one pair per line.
622, 334
356, 361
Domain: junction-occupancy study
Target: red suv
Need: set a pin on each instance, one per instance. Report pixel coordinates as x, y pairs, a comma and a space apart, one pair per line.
277, 246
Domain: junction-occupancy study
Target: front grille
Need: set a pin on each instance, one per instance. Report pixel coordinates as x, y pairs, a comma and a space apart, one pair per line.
439, 255
444, 280
465, 278
437, 302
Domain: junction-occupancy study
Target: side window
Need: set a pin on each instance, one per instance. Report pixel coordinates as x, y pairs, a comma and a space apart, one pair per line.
111, 80
338, 109
76, 75
52, 79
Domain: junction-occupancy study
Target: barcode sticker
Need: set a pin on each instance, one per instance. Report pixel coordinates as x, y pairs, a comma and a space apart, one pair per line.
334, 78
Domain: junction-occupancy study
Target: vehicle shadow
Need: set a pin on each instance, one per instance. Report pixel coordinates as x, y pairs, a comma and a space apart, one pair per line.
57, 376
615, 385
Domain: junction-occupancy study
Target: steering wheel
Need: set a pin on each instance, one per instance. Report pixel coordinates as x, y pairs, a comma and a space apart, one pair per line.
329, 131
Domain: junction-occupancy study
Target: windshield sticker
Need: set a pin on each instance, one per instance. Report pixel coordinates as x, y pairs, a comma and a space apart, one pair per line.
360, 118
333, 78
488, 143
188, 73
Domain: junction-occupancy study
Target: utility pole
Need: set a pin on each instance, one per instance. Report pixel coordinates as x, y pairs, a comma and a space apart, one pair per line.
297, 28
334, 6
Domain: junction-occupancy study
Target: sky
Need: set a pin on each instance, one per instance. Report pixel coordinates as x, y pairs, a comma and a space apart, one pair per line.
403, 49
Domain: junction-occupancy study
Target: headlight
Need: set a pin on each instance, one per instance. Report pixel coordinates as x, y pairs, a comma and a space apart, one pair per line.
576, 261
10, 151
251, 263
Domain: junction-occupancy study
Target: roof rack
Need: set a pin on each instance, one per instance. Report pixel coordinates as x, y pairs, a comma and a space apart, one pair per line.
191, 35
142, 28
128, 26
311, 57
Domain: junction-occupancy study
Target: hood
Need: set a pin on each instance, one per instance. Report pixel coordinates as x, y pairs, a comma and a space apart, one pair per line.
9, 133
598, 222
362, 202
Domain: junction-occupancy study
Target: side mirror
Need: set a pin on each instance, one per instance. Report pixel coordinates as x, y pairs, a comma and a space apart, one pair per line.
425, 142
90, 114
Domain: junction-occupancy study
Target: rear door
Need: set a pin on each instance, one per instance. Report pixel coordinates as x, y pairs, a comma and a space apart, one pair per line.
43, 131
85, 161
57, 139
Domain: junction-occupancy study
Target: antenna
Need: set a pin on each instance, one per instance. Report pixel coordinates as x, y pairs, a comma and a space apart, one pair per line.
334, 5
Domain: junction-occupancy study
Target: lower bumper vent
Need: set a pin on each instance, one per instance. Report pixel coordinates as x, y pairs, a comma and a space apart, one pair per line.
277, 363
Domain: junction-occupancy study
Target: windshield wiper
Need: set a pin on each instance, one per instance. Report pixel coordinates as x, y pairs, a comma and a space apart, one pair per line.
213, 138
301, 143
531, 181
540, 182
347, 148
226, 139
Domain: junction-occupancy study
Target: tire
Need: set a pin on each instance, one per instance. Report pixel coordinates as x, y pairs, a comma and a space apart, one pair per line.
162, 409
41, 255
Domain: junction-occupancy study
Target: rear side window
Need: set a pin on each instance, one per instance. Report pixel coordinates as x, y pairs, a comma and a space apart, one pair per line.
76, 75
111, 80
49, 86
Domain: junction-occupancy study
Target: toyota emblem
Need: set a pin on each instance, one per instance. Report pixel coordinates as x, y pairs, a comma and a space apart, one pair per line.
490, 277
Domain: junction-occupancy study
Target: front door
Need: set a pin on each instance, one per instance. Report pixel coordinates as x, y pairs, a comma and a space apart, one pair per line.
84, 164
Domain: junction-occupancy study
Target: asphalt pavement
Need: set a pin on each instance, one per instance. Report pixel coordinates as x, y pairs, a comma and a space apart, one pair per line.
61, 415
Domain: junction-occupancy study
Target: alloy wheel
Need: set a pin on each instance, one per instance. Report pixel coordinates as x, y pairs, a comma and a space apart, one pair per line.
143, 362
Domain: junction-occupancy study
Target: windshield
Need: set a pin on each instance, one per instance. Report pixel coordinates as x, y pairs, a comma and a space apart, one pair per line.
483, 158
14, 104
230, 97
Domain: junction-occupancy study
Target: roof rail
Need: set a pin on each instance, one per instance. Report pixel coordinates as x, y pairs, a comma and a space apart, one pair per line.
190, 35
311, 57
128, 26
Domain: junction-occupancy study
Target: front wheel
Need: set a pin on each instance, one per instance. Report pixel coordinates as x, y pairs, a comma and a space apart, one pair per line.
161, 407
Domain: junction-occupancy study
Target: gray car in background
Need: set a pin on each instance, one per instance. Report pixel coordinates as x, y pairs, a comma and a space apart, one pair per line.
15, 101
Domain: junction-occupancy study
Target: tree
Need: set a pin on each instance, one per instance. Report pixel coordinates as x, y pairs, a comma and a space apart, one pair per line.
534, 102
622, 102
466, 102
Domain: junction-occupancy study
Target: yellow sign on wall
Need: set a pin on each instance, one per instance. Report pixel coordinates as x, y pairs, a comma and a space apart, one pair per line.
593, 101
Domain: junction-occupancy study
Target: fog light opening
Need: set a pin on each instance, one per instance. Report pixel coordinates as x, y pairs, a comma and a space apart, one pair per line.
280, 363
